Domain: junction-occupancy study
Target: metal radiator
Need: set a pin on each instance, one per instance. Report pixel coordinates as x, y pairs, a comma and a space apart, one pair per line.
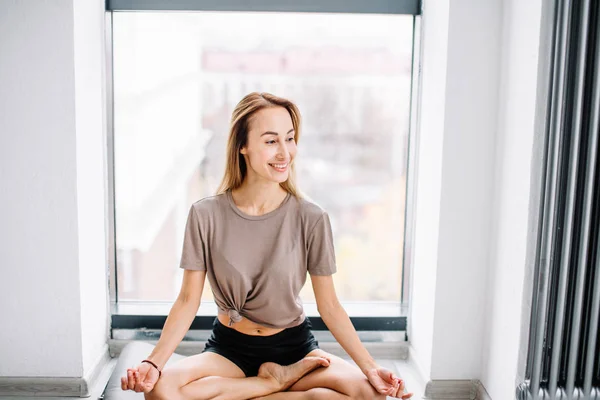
564, 348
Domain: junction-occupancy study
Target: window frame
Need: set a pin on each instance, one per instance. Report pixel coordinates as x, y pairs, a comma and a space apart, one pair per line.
137, 315
405, 7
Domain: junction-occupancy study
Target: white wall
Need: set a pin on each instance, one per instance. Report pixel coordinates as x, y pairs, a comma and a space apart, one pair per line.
52, 236
518, 153
90, 105
472, 233
430, 140
467, 175
455, 170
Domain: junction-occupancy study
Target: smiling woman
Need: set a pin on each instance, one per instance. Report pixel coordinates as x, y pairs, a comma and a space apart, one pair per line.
262, 143
256, 240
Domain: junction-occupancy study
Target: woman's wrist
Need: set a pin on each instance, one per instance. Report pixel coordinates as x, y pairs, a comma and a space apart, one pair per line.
154, 365
368, 365
158, 358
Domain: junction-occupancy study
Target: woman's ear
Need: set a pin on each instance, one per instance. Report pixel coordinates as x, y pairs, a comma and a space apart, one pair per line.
243, 150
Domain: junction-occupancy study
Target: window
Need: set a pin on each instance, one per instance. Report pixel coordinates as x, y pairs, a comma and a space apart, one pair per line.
177, 77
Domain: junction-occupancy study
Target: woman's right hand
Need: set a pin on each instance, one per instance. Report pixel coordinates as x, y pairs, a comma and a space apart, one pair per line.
140, 379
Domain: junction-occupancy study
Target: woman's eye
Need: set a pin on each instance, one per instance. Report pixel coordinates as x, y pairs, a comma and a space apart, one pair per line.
273, 141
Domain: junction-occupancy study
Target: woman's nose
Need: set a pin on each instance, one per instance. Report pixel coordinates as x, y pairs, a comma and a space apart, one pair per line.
283, 152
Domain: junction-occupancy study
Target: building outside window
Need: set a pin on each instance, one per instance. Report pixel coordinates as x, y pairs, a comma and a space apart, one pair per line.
177, 77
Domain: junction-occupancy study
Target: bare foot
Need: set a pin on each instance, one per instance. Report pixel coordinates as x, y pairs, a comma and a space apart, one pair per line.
286, 376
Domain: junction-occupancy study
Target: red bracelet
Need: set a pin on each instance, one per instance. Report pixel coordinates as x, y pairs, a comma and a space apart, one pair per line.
154, 365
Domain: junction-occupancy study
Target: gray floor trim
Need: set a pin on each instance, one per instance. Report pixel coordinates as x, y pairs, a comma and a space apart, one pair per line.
66, 387
482, 394
456, 390
57, 386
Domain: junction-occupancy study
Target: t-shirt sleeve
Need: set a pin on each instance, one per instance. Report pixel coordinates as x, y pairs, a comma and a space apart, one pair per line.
192, 255
321, 253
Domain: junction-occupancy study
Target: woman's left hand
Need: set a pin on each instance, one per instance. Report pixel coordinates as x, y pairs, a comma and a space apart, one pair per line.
385, 382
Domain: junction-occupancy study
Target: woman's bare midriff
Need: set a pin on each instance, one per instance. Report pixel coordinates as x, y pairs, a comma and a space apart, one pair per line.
248, 327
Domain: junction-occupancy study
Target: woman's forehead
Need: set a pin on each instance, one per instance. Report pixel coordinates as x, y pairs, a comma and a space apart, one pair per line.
276, 119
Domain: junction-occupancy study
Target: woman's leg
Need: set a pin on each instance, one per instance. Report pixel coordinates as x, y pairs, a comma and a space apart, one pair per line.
210, 376
341, 380
311, 394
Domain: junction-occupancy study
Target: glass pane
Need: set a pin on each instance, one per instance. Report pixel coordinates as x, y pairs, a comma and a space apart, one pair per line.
177, 77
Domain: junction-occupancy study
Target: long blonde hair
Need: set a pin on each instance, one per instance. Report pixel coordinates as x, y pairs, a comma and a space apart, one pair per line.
235, 164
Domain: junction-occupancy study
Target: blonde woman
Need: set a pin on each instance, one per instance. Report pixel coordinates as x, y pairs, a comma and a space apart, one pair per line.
255, 240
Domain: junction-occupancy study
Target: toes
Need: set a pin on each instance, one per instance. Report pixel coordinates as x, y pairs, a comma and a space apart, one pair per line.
320, 359
317, 362
325, 362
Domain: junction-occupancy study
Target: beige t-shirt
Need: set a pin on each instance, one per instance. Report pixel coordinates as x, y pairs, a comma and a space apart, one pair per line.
256, 265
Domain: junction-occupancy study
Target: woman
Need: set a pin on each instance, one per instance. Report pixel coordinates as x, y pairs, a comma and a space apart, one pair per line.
255, 241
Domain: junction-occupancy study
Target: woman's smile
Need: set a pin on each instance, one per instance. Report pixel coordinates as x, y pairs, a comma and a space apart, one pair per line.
279, 167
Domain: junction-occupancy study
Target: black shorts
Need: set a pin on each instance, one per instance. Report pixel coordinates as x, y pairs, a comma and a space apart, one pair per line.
249, 351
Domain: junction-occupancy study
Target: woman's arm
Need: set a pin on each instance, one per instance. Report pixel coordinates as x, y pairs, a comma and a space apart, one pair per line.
338, 322
180, 317
336, 319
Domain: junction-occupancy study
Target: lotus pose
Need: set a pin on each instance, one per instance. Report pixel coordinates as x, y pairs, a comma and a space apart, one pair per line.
256, 240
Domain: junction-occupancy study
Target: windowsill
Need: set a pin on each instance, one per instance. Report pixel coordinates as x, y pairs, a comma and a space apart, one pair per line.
376, 317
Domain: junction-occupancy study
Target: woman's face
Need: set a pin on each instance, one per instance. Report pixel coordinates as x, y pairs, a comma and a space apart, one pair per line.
271, 146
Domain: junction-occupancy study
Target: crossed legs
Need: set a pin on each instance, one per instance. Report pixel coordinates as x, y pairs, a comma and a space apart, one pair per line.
209, 376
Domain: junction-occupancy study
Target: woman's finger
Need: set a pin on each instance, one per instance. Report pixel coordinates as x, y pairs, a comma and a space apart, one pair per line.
136, 386
383, 389
130, 382
399, 385
389, 390
123, 383
388, 377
